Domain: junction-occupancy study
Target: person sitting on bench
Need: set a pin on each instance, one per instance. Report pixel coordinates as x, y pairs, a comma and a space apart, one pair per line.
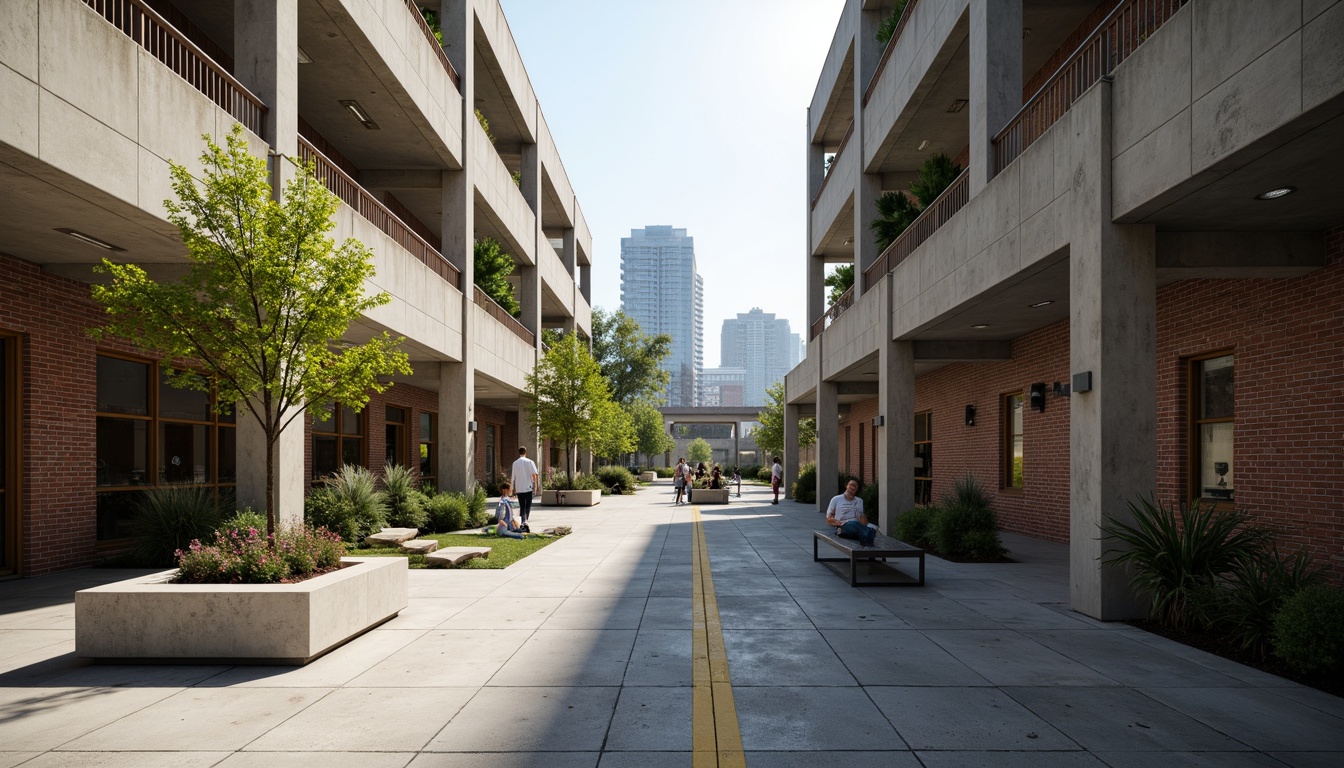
845, 512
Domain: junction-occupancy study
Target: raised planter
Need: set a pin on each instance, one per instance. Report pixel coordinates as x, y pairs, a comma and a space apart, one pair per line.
150, 618
709, 496
571, 498
648, 477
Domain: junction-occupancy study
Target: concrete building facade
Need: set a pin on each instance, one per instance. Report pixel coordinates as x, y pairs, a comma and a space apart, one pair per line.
98, 97
1133, 289
662, 290
763, 346
722, 387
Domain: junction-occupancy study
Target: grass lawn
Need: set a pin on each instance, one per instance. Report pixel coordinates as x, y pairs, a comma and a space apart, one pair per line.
503, 551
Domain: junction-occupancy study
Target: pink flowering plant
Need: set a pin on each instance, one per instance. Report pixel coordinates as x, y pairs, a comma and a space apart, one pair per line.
248, 556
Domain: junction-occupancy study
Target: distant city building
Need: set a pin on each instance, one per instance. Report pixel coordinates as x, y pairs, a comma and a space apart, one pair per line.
722, 387
661, 290
761, 345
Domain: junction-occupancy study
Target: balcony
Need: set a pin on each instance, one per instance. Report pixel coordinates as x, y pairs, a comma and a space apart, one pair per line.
930, 220
835, 160
153, 33
434, 43
886, 52
832, 312
493, 309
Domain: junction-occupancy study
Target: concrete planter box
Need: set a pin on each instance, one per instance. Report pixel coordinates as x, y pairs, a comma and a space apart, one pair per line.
151, 619
648, 477
571, 498
709, 496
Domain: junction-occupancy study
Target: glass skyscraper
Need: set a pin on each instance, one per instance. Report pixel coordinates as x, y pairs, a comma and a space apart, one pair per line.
661, 290
762, 345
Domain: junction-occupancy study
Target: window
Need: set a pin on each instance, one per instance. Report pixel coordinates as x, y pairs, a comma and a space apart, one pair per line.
10, 385
490, 452
428, 457
923, 457
338, 440
154, 434
1212, 428
1012, 440
395, 431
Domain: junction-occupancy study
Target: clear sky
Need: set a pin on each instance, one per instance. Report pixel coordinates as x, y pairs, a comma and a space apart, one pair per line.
690, 113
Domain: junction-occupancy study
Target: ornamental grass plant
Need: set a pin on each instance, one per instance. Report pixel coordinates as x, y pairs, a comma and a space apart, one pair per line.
170, 517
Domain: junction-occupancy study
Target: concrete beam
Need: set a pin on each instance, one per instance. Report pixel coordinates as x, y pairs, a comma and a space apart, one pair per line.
996, 79
395, 179
1238, 254
857, 388
962, 351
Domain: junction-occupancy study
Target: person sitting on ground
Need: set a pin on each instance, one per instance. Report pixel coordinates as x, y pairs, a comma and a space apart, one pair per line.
504, 525
716, 479
845, 512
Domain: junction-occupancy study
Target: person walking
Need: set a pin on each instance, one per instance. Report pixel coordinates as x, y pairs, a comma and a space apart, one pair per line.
679, 479
776, 478
524, 480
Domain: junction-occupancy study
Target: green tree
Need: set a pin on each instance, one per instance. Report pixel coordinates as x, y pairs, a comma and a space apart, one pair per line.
897, 210
629, 358
615, 433
839, 281
888, 26
699, 451
935, 175
650, 437
769, 433
569, 399
265, 293
491, 268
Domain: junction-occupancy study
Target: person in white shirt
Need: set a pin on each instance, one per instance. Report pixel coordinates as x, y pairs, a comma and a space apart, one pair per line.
845, 512
776, 478
679, 480
524, 480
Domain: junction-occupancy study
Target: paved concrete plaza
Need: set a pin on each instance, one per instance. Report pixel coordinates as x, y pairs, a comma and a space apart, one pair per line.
581, 656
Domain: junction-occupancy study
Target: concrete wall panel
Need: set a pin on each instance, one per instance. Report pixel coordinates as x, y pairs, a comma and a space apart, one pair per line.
1323, 57
829, 82
1228, 35
1157, 162
490, 16
1046, 232
87, 148
839, 191
555, 278
75, 44
1254, 101
495, 185
499, 352
555, 169
1152, 88
19, 104
19, 39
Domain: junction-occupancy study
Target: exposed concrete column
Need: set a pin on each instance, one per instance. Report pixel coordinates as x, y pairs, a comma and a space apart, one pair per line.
266, 55
569, 256
865, 211
816, 168
1112, 335
996, 79
828, 441
816, 293
457, 445
867, 55
792, 416
586, 282
529, 282
896, 406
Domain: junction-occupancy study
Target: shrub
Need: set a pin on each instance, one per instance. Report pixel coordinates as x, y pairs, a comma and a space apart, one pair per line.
968, 492
1309, 631
749, 471
763, 474
476, 502
618, 479
1177, 554
805, 487
581, 482
348, 503
963, 532
981, 544
664, 472
169, 517
244, 520
305, 550
1255, 591
871, 508
405, 505
448, 512
491, 486
247, 557
913, 526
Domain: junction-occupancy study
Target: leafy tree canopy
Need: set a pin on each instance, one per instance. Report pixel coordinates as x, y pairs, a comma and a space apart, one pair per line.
769, 433
839, 281
570, 401
700, 451
266, 292
888, 26
491, 267
630, 358
650, 437
896, 210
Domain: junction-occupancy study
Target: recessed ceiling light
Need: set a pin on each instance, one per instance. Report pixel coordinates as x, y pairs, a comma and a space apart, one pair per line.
359, 113
979, 326
90, 239
849, 241
922, 145
1275, 194
870, 373
1040, 304
956, 106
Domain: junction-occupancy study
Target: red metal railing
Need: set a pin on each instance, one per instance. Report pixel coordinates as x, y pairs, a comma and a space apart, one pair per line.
930, 220
499, 313
1122, 31
886, 52
434, 41
364, 203
153, 33
837, 309
844, 141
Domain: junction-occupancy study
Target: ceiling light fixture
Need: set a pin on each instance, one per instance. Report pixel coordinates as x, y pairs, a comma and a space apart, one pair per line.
849, 241
90, 239
1275, 194
359, 113
1040, 304
980, 326
304, 58
923, 144
957, 105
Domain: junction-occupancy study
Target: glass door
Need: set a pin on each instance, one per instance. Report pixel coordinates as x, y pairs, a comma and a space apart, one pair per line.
9, 455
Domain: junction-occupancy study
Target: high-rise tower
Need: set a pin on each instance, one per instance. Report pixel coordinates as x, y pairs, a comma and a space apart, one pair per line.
662, 292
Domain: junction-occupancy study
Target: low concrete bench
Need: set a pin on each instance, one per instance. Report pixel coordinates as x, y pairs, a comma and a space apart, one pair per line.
391, 537
455, 556
884, 547
419, 546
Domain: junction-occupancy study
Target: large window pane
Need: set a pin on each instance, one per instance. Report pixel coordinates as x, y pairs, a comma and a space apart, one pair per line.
1013, 443
1215, 473
123, 451
123, 386
1216, 396
352, 451
115, 511
182, 403
228, 455
325, 459
351, 423
184, 453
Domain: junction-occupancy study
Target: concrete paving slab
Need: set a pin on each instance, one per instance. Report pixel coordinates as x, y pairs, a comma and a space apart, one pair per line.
333, 670
1016, 613
191, 720
1120, 719
318, 760
846, 612
614, 587
965, 719
1008, 658
127, 760
759, 612
1193, 760
83, 673
506, 760
645, 760
660, 657
1248, 675
506, 613
899, 657
793, 719
1310, 759
791, 657
931, 611
1122, 658
366, 719
562, 657
11, 759
22, 643
447, 657
966, 759
1267, 723
37, 613
597, 613
667, 612
428, 613
39, 719
651, 719
846, 759
539, 719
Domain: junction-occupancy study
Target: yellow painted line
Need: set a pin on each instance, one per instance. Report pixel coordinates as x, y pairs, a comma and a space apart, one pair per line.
716, 742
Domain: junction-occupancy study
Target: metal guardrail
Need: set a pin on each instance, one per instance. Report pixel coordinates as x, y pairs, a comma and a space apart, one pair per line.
844, 142
368, 206
929, 220
499, 313
837, 309
1115, 38
164, 42
434, 41
886, 52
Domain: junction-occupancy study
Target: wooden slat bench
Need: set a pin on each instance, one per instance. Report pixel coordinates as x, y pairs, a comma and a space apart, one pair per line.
883, 547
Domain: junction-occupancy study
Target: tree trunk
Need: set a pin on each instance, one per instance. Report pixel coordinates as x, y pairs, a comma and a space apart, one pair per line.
270, 480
